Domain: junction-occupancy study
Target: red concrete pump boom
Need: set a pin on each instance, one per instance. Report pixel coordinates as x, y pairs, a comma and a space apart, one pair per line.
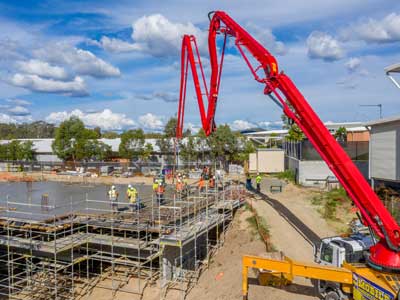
279, 87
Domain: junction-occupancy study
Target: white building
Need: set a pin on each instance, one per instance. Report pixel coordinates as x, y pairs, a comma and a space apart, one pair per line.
384, 159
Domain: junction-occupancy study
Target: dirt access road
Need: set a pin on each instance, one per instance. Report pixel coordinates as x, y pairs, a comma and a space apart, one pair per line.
223, 277
222, 281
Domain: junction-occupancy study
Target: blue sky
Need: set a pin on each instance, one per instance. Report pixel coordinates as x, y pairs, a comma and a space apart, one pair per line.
115, 64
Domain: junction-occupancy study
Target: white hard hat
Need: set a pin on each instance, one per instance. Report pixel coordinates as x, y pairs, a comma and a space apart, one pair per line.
113, 187
129, 186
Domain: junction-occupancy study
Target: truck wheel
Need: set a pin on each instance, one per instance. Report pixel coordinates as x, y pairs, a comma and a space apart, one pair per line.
332, 296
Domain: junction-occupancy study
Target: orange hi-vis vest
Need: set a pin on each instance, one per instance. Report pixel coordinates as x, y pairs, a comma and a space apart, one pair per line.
201, 183
179, 186
160, 189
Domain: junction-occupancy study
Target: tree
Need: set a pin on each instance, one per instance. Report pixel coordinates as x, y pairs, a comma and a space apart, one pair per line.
74, 141
147, 151
97, 130
246, 149
170, 128
341, 134
38, 129
15, 150
201, 144
97, 150
109, 135
223, 144
166, 148
132, 143
66, 138
187, 133
188, 149
26, 151
295, 133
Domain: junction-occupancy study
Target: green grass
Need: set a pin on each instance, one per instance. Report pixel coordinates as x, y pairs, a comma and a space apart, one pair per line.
288, 175
262, 229
330, 201
247, 207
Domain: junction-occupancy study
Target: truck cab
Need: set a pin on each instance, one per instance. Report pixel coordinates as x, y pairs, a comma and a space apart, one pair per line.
334, 251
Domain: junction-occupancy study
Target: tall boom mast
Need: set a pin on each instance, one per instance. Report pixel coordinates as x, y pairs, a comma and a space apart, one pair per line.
280, 88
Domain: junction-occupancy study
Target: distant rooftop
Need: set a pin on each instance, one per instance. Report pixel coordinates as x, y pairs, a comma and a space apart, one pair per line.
383, 121
267, 132
44, 145
395, 68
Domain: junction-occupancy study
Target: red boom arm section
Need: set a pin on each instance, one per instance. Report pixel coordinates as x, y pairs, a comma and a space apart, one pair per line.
280, 88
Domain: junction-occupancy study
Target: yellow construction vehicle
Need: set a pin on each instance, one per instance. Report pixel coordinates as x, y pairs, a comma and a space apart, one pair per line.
354, 281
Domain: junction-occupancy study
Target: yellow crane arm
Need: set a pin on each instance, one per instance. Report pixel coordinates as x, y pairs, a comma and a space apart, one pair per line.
291, 268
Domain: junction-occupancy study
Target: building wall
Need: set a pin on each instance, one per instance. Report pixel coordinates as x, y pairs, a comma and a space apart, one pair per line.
384, 151
47, 158
315, 172
358, 136
309, 172
267, 161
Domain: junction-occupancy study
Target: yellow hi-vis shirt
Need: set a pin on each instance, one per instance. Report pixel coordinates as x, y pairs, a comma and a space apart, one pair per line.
132, 195
258, 179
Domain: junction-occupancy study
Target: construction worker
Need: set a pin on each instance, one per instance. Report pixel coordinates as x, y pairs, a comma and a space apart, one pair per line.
248, 182
132, 195
113, 197
204, 173
185, 182
201, 184
160, 193
179, 185
211, 182
155, 185
258, 182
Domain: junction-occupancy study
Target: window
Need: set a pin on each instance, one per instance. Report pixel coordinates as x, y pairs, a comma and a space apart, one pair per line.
327, 253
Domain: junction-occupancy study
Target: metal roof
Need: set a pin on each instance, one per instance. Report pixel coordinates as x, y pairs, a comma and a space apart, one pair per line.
267, 132
395, 68
356, 129
44, 145
383, 121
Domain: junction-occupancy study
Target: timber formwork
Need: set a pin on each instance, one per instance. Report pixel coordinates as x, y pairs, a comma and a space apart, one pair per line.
93, 249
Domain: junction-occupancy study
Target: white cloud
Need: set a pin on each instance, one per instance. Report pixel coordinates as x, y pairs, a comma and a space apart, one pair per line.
18, 111
151, 122
9, 49
4, 118
264, 124
105, 119
36, 83
194, 128
353, 64
83, 62
267, 39
20, 102
323, 46
167, 97
42, 68
386, 30
241, 125
158, 36
116, 45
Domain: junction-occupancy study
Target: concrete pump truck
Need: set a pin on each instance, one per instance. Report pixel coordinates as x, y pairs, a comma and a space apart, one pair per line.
344, 268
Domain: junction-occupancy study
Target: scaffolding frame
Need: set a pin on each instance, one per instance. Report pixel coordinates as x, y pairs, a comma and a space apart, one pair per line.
85, 247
